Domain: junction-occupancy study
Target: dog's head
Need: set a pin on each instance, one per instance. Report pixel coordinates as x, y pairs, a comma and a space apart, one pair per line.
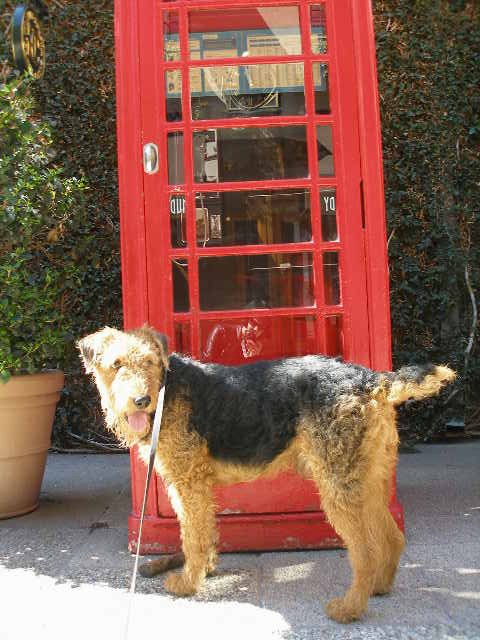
129, 369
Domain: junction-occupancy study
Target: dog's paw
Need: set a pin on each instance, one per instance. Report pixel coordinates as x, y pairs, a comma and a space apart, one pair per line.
177, 583
383, 585
382, 590
338, 610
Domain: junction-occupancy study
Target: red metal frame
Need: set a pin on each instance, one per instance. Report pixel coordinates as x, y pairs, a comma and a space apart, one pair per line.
130, 170
290, 520
376, 253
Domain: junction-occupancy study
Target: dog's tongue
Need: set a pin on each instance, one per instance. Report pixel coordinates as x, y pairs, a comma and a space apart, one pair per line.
138, 421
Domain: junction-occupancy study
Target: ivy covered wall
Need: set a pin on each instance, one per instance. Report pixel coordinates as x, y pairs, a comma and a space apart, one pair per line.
77, 98
428, 57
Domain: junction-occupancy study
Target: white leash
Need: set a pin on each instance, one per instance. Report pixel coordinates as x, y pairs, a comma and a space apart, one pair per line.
157, 421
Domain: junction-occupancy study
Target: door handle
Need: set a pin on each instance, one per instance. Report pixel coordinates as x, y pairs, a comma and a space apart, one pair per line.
150, 158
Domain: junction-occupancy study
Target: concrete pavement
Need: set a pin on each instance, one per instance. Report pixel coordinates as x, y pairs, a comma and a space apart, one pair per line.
65, 569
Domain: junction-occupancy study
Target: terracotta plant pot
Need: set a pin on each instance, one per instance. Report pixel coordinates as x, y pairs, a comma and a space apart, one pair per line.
27, 408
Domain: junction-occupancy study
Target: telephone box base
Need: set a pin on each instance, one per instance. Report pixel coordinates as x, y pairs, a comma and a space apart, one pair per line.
252, 532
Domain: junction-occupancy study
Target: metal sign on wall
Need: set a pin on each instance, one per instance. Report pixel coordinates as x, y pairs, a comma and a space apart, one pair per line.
28, 44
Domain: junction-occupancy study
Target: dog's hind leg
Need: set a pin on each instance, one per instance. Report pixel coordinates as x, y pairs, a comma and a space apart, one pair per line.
360, 515
381, 448
389, 542
196, 513
384, 534
347, 517
339, 473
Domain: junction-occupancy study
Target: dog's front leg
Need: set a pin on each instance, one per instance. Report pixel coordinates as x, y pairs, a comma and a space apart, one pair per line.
195, 510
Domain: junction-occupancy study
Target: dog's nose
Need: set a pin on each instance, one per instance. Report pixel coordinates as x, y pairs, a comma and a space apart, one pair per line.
142, 401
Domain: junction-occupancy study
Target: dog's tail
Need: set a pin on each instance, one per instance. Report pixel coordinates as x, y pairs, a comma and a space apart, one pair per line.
416, 382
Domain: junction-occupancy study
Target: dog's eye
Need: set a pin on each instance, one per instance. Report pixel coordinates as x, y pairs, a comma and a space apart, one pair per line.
149, 363
116, 365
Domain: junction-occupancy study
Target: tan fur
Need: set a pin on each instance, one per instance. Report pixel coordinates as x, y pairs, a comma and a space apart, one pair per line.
432, 384
352, 464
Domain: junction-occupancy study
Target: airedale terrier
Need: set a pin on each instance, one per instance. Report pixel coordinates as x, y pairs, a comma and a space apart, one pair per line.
333, 422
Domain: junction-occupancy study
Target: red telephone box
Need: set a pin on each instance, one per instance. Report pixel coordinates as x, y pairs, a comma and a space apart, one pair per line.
252, 211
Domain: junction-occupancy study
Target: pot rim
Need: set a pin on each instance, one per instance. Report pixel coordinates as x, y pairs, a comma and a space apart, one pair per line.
47, 381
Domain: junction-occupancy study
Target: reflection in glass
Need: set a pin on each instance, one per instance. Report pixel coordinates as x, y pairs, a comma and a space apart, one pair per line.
252, 31
248, 91
242, 340
325, 151
322, 91
176, 173
183, 342
224, 155
178, 222
256, 281
328, 207
331, 277
318, 29
181, 299
178, 232
334, 336
256, 217
173, 92
171, 41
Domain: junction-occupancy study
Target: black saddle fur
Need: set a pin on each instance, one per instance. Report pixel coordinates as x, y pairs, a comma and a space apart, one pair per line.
248, 414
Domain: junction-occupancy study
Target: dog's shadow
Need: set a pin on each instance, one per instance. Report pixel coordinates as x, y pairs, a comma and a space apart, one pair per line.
270, 579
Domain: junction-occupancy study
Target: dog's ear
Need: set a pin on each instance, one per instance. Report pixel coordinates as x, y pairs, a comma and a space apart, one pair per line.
159, 340
91, 347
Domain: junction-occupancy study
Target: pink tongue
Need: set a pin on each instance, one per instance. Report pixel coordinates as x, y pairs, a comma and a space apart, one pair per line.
138, 421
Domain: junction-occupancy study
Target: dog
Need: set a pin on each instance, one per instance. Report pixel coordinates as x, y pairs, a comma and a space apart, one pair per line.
333, 422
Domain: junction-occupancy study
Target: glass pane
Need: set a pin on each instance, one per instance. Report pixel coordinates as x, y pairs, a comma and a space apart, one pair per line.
181, 300
328, 206
254, 31
224, 155
171, 41
331, 277
322, 92
176, 174
318, 26
325, 151
256, 217
242, 340
173, 92
247, 91
256, 281
334, 336
183, 342
178, 233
